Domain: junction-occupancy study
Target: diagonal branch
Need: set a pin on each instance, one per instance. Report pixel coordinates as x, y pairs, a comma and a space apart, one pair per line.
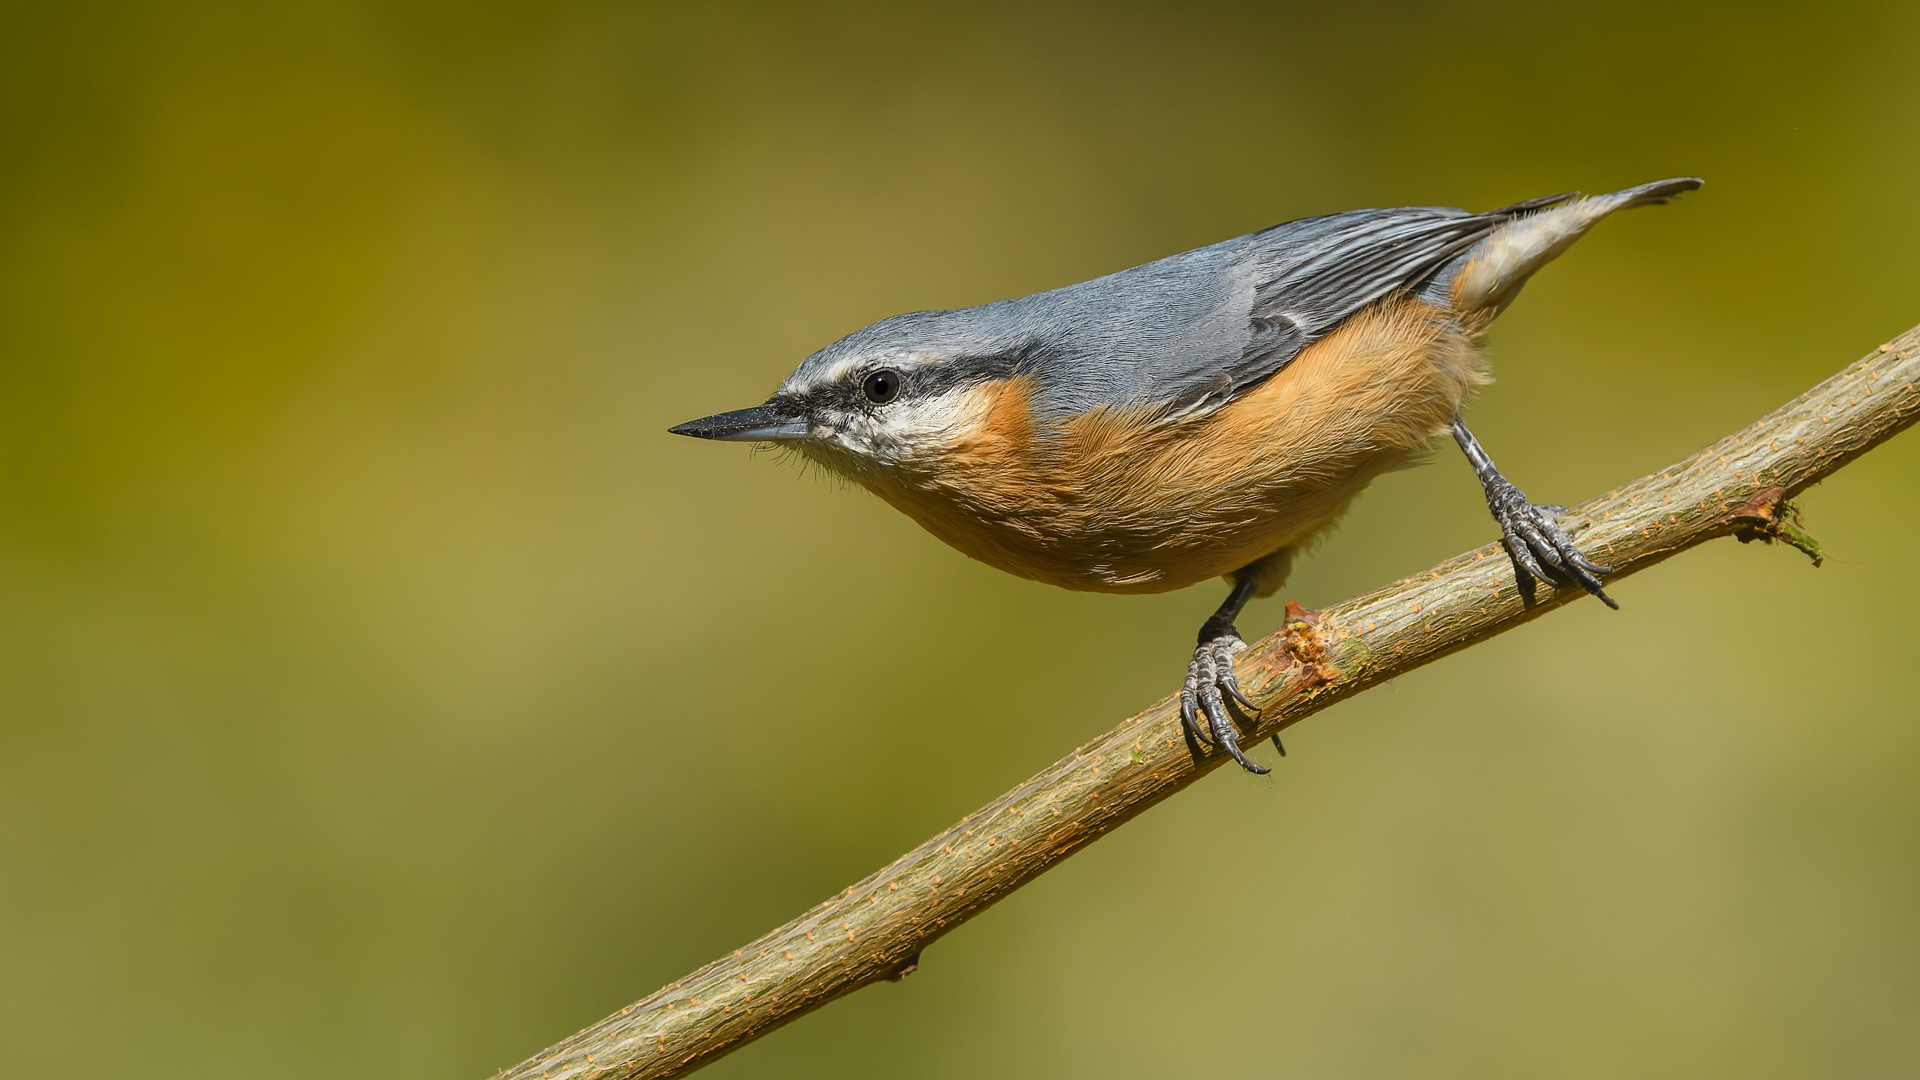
875, 929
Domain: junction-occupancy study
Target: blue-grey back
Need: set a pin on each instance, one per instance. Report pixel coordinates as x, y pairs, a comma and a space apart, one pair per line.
1187, 332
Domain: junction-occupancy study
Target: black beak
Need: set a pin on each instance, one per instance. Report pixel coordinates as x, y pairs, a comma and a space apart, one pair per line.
772, 422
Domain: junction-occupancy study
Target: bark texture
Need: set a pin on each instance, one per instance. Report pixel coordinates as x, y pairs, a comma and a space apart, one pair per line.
876, 928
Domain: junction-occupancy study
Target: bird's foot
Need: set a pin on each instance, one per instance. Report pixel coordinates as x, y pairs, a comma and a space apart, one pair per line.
1210, 681
1538, 546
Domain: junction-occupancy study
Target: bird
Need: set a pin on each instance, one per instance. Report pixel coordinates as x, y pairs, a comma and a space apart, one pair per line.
1206, 415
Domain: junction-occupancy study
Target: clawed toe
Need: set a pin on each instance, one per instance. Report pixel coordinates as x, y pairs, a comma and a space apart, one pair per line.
1540, 549
1210, 681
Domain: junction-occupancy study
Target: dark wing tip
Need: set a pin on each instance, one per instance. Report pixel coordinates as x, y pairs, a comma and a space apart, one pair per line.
1658, 192
1527, 206
1654, 194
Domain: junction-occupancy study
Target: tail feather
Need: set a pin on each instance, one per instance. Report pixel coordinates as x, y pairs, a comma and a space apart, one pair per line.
1491, 274
1658, 193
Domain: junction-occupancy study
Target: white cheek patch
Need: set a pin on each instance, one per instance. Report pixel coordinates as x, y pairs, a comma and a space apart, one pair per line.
908, 431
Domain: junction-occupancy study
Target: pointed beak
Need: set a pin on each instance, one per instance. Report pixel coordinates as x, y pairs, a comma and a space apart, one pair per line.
772, 422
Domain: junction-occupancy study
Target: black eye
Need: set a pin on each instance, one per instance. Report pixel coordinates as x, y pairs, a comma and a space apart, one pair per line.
881, 386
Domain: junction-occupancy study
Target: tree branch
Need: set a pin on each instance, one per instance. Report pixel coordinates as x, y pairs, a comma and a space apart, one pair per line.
875, 929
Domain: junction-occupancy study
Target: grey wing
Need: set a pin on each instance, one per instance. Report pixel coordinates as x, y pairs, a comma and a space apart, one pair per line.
1191, 332
1310, 276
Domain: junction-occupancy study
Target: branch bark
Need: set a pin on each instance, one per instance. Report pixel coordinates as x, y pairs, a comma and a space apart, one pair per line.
875, 929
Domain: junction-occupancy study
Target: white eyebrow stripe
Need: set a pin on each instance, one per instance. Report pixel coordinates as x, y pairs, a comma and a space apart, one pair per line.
847, 365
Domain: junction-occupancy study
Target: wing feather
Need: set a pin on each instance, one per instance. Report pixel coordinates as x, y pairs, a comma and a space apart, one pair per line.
1309, 276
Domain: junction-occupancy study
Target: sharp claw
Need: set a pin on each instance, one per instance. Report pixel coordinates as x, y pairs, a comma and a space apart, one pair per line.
1589, 565
1232, 686
1574, 557
1277, 745
1571, 551
1571, 559
1223, 732
1583, 570
1592, 584
1190, 718
1587, 581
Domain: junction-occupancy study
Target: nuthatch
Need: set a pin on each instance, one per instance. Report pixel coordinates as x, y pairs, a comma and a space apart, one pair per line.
1202, 416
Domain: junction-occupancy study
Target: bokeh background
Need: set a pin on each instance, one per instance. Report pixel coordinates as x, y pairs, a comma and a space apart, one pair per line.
384, 693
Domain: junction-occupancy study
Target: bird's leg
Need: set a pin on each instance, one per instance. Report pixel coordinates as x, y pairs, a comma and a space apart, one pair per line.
1534, 541
1210, 677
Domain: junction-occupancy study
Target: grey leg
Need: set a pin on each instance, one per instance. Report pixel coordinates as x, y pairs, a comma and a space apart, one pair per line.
1534, 541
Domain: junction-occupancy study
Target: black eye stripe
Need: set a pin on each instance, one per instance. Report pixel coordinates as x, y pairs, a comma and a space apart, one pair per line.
879, 386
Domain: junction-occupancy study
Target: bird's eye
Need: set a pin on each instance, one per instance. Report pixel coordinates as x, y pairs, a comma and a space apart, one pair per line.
881, 386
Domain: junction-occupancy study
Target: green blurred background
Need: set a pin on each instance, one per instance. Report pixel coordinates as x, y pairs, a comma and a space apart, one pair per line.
383, 691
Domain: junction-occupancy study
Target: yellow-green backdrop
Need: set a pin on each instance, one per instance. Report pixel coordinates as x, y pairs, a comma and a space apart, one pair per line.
384, 693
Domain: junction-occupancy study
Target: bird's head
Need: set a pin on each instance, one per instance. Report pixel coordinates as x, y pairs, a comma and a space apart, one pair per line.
899, 394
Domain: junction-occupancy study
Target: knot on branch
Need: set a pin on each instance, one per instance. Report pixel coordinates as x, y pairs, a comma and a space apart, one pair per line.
1306, 647
1767, 517
904, 968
